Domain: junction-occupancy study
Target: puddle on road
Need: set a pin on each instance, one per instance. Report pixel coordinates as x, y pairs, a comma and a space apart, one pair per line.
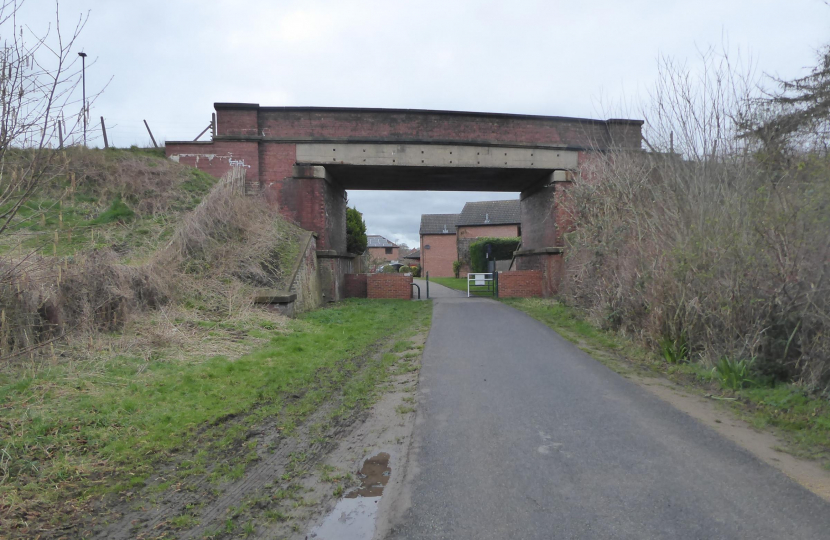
353, 517
373, 477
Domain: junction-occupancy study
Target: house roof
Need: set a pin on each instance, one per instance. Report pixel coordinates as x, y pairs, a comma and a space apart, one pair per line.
490, 213
378, 241
416, 254
438, 223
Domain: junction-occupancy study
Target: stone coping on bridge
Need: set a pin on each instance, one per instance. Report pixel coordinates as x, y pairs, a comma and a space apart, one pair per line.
258, 107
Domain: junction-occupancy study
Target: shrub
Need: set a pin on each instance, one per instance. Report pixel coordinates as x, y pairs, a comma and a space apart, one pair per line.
502, 248
416, 271
712, 235
389, 269
456, 267
405, 270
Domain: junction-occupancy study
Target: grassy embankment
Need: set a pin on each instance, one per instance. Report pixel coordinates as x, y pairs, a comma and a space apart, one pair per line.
129, 200
803, 421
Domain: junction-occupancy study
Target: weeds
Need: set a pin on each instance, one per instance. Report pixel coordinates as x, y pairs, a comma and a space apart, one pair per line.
733, 374
675, 351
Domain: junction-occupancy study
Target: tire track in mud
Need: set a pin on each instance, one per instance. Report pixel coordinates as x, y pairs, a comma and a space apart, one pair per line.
210, 506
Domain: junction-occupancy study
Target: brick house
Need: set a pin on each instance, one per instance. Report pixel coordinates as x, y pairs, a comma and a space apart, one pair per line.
497, 219
438, 247
446, 238
380, 248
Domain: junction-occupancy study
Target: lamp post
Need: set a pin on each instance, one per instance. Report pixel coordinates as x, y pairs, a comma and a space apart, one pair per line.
83, 78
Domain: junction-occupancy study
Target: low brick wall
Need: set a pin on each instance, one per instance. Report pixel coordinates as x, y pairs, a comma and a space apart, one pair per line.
520, 283
389, 286
356, 285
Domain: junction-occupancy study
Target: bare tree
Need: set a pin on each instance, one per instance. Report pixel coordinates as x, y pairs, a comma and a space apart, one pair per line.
38, 77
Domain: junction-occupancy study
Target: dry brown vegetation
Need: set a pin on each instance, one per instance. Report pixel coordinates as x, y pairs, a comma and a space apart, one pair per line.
216, 254
715, 244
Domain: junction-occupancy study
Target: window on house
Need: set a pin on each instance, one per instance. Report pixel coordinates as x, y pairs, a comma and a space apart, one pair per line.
389, 251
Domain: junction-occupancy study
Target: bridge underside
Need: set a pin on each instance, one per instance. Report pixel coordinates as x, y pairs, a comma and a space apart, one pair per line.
543, 196
435, 178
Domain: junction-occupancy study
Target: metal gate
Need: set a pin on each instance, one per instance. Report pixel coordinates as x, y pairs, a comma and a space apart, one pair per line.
483, 282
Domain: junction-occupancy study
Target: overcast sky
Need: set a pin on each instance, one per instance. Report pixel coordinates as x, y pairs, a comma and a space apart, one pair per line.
171, 60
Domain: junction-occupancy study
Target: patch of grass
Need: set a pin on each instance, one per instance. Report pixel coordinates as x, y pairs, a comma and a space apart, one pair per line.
126, 414
803, 420
117, 211
184, 521
566, 322
404, 409
460, 284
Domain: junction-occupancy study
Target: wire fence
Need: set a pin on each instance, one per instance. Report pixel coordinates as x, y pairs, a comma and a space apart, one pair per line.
104, 131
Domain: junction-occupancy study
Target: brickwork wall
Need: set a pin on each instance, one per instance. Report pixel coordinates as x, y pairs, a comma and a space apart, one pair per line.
237, 122
311, 124
276, 163
380, 253
356, 285
214, 158
520, 284
389, 286
438, 259
549, 264
302, 200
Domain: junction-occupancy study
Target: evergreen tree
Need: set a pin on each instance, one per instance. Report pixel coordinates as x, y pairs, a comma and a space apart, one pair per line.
355, 232
798, 116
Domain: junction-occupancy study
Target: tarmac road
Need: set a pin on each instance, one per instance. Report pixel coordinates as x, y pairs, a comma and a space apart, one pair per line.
520, 435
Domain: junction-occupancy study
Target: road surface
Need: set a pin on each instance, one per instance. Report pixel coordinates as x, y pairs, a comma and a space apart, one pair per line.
520, 435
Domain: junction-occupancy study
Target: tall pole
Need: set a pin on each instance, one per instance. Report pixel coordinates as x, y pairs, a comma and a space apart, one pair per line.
83, 78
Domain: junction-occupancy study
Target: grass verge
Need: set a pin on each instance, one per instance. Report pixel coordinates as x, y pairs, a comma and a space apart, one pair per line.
75, 429
459, 284
803, 421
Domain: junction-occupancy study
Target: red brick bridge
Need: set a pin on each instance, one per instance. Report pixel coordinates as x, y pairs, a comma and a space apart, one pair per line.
305, 158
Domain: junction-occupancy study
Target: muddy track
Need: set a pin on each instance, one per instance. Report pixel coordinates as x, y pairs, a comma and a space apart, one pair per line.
280, 491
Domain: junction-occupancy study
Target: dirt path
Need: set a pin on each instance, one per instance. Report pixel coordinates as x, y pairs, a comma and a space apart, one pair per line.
273, 485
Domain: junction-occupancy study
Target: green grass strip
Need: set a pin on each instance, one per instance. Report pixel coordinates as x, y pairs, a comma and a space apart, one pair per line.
130, 413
